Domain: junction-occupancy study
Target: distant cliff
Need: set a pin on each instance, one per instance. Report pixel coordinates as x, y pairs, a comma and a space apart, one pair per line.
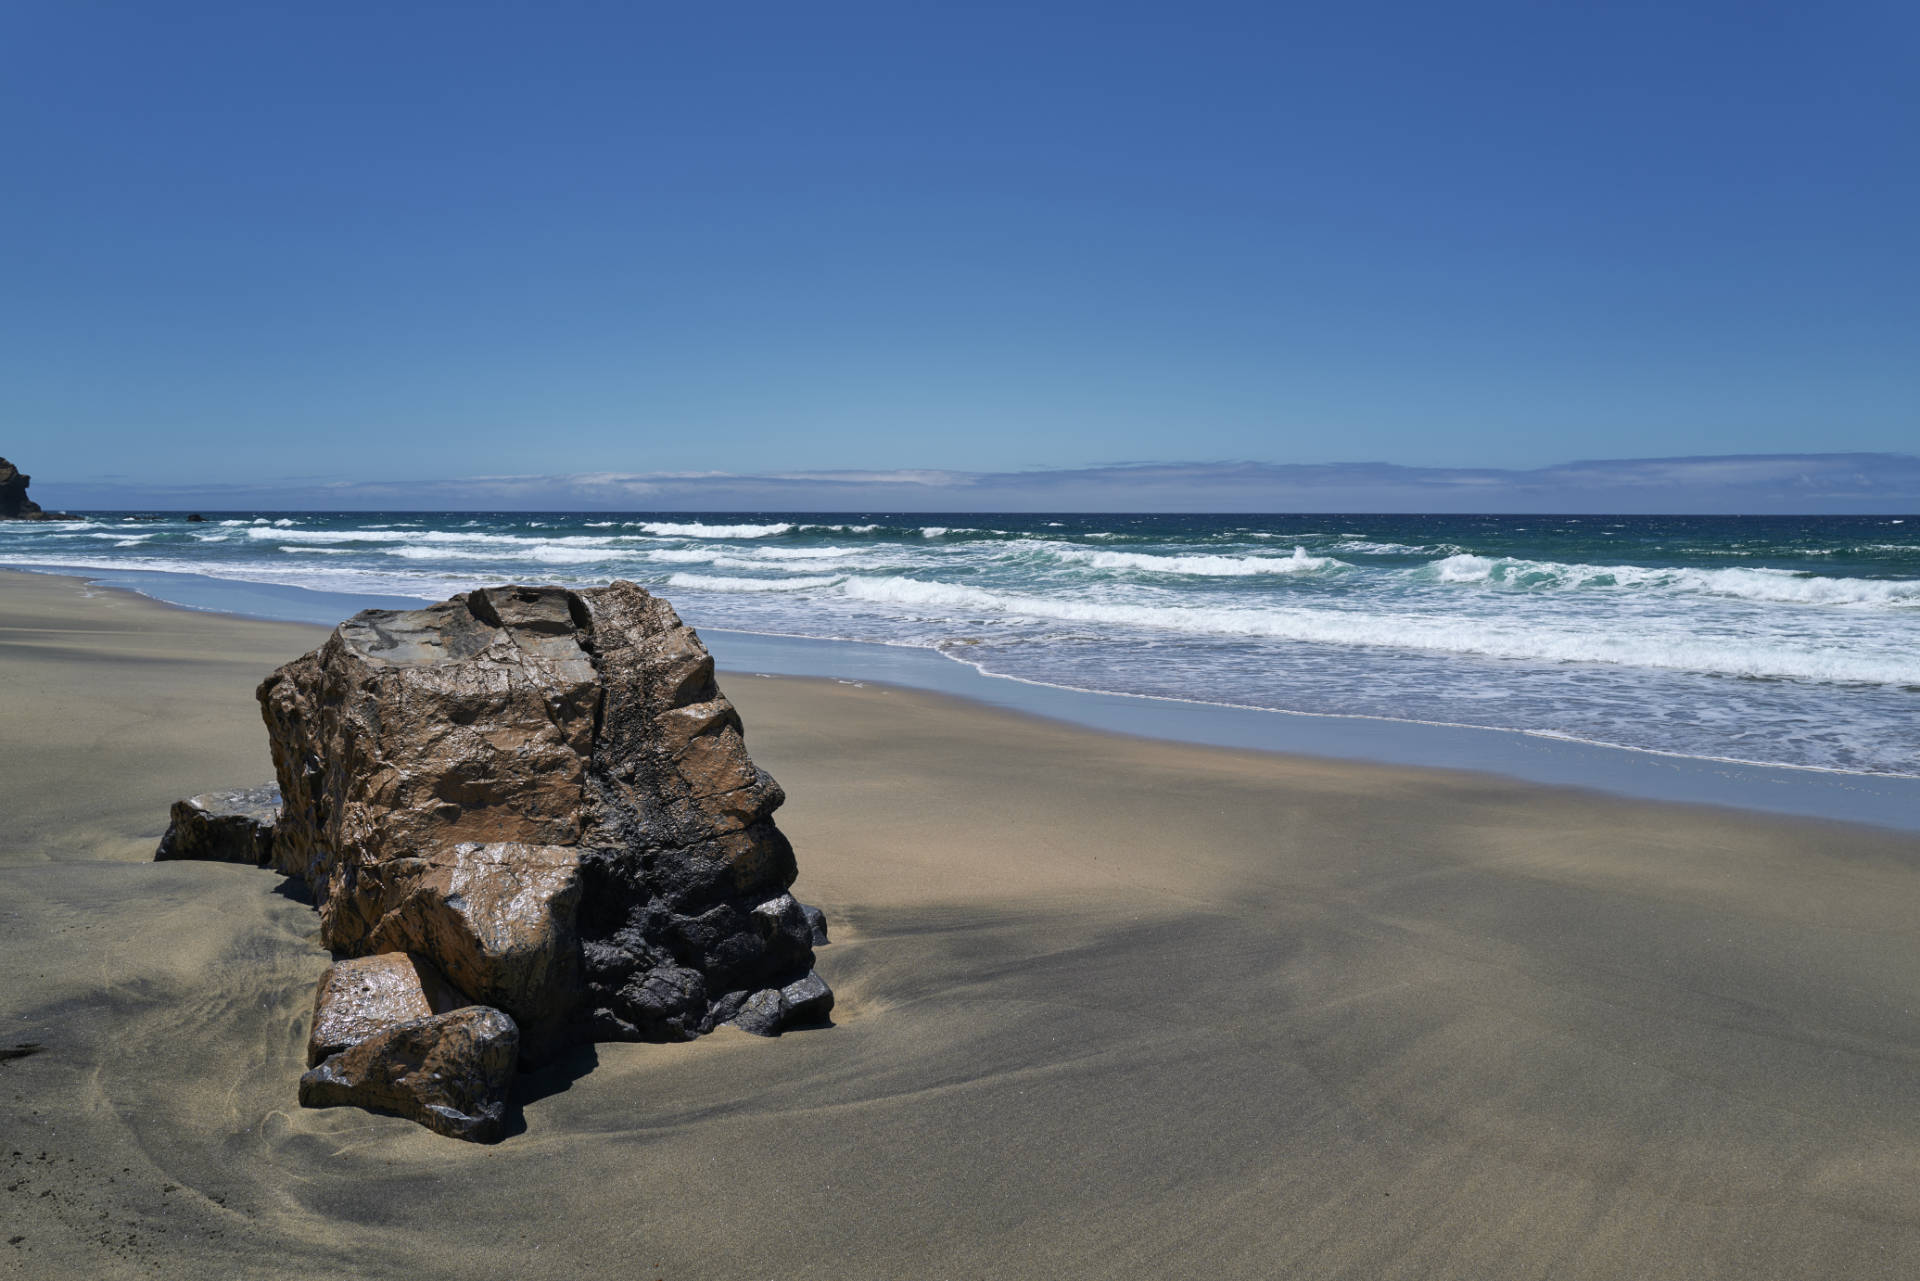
14, 503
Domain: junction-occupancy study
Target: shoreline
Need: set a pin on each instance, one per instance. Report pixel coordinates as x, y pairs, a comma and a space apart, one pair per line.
1879, 800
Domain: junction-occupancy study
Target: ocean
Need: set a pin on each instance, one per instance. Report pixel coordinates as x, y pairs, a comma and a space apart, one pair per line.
1782, 641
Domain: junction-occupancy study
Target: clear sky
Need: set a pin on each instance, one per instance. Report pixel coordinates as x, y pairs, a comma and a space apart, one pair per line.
256, 242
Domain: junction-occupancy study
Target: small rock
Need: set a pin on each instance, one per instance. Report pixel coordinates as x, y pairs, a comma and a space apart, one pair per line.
771, 1011
368, 994
225, 827
450, 1072
817, 922
808, 1000
764, 1013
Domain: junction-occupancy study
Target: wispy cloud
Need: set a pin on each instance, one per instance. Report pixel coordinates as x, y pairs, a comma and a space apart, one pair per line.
1741, 483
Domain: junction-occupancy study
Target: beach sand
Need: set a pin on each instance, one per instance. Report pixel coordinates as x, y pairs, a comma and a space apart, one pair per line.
1108, 1007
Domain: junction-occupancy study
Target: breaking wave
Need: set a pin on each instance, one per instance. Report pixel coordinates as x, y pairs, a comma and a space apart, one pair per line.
1771, 586
1203, 566
668, 529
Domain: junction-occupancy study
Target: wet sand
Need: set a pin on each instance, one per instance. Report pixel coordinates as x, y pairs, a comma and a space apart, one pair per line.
1107, 1007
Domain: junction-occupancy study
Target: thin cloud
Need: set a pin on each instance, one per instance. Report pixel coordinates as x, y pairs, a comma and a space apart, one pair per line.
1786, 483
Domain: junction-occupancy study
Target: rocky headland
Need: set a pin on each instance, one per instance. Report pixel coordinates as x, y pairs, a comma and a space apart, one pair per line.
14, 503
527, 818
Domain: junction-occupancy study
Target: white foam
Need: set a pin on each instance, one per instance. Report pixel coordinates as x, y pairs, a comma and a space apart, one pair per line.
720, 559
332, 535
806, 553
1203, 566
667, 529
1364, 547
1771, 586
707, 583
546, 552
1517, 639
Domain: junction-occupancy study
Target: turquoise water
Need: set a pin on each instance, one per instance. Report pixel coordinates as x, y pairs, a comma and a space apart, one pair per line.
1774, 640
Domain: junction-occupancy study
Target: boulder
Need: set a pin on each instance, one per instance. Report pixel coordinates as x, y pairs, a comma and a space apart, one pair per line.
226, 827
450, 1072
363, 995
544, 793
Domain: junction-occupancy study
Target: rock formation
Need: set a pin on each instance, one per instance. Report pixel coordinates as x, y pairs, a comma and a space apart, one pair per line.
14, 503
541, 795
228, 827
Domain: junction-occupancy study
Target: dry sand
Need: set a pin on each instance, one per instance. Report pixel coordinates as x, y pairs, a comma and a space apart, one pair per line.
1109, 1007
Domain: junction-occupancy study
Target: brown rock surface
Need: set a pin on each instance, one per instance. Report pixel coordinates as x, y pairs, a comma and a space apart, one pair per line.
544, 792
363, 995
450, 1072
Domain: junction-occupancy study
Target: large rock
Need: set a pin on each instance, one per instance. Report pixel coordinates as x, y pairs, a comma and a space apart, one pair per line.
227, 827
450, 1072
544, 793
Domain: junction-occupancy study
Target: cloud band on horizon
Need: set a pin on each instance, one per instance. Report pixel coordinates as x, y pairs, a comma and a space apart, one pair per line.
1753, 484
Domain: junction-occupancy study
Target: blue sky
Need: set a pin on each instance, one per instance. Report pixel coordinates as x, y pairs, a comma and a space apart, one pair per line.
253, 245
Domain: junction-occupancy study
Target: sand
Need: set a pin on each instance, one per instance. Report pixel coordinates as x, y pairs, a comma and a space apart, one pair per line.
1108, 1007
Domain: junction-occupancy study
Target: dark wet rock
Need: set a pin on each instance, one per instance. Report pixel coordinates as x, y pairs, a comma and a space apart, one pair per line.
14, 503
226, 827
771, 1011
763, 1014
450, 1072
809, 1000
196, 519
544, 793
363, 995
816, 924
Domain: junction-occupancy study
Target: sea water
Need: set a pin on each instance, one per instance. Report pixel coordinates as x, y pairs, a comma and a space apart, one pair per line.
1774, 640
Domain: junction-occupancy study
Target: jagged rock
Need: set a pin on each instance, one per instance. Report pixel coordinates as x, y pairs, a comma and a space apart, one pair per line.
817, 924
367, 994
544, 792
14, 503
770, 1011
450, 1072
196, 519
227, 827
809, 1000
